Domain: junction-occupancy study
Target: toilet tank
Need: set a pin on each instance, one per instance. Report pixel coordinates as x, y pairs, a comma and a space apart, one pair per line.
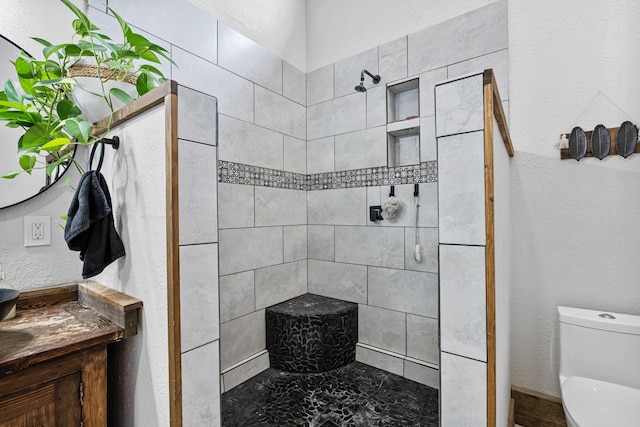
600, 345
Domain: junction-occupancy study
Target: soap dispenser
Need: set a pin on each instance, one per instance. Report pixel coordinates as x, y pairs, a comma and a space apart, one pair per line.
4, 285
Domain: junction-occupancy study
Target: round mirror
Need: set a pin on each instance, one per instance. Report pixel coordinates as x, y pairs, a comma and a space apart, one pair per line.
23, 186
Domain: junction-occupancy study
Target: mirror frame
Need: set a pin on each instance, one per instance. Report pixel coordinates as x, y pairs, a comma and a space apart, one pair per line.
46, 186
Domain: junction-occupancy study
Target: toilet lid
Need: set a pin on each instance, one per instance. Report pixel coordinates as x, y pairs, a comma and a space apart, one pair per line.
594, 403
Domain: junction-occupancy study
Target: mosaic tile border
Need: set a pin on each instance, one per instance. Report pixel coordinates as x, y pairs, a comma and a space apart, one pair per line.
238, 173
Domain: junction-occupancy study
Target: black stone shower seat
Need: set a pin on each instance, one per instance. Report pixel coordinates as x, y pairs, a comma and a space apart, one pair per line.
311, 334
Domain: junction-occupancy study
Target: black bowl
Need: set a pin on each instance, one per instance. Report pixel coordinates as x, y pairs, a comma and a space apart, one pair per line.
8, 298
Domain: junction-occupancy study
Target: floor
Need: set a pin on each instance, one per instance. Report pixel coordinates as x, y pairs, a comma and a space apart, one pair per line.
353, 395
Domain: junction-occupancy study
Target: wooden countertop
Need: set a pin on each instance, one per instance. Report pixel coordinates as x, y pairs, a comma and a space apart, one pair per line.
58, 321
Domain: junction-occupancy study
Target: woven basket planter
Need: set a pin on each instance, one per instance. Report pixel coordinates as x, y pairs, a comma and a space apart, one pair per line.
87, 93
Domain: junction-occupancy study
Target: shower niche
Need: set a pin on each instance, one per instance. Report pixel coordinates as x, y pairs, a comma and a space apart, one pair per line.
403, 123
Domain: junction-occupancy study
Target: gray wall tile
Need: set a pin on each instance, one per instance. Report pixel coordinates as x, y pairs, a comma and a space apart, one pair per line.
409, 291
280, 206
382, 328
178, 22
321, 242
240, 374
428, 240
348, 71
427, 213
249, 248
379, 360
341, 207
320, 85
280, 282
376, 106
201, 386
234, 94
383, 247
393, 60
428, 83
428, 150
248, 59
295, 243
342, 281
241, 338
361, 149
460, 106
498, 61
199, 321
276, 112
422, 339
341, 115
198, 200
463, 392
294, 83
463, 309
197, 119
237, 295
295, 155
242, 142
320, 155
235, 205
461, 189
422, 374
475, 33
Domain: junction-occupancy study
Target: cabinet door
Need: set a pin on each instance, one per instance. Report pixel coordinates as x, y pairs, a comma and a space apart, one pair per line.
52, 404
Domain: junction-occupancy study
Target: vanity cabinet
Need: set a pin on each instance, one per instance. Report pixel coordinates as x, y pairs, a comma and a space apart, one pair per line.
53, 358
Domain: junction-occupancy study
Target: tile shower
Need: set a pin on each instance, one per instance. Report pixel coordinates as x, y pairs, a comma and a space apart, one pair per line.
300, 159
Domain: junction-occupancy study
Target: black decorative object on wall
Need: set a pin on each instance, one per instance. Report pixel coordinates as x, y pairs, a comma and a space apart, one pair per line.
311, 333
627, 139
600, 142
597, 141
577, 143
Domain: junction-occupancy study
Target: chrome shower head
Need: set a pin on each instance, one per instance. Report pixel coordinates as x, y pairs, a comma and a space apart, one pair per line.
375, 79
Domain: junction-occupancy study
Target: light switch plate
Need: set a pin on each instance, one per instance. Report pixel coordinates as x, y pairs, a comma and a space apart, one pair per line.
37, 231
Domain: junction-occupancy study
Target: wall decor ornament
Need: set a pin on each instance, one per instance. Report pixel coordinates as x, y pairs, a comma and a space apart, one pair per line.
600, 142
577, 143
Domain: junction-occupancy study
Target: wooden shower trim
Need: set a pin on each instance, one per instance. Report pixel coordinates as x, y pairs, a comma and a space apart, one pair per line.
166, 94
492, 109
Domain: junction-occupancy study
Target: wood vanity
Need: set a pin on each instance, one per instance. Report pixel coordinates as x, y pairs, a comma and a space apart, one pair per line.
53, 355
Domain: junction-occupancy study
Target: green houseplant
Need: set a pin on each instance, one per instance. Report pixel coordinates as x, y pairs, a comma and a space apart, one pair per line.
43, 104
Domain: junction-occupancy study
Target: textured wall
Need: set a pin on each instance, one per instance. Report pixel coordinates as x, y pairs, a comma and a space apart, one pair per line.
574, 233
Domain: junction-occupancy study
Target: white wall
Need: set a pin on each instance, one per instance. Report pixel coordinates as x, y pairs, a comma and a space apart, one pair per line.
337, 29
277, 25
575, 233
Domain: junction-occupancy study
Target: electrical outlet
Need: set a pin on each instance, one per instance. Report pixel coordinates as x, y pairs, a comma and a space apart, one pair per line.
37, 231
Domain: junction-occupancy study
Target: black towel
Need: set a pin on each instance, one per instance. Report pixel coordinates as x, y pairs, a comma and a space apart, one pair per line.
90, 228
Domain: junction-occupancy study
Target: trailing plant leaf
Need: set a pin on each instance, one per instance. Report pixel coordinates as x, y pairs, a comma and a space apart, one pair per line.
35, 136
144, 84
27, 163
121, 95
11, 175
79, 129
67, 109
12, 94
56, 144
52, 166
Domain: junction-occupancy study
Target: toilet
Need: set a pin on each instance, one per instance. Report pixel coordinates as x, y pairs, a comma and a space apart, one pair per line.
599, 368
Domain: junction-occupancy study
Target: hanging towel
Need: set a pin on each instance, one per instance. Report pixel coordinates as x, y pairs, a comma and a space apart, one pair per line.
90, 228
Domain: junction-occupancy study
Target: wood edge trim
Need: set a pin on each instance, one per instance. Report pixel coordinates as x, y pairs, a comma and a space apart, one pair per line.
511, 422
535, 408
498, 111
138, 106
173, 261
47, 297
116, 299
489, 100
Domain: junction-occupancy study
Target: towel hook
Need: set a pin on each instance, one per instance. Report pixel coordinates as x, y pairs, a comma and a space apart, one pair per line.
114, 142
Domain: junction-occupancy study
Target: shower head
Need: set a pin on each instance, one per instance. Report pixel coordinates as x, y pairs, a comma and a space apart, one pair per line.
375, 79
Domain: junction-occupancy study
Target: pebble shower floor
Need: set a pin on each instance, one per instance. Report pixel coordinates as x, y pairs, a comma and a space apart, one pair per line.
353, 395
